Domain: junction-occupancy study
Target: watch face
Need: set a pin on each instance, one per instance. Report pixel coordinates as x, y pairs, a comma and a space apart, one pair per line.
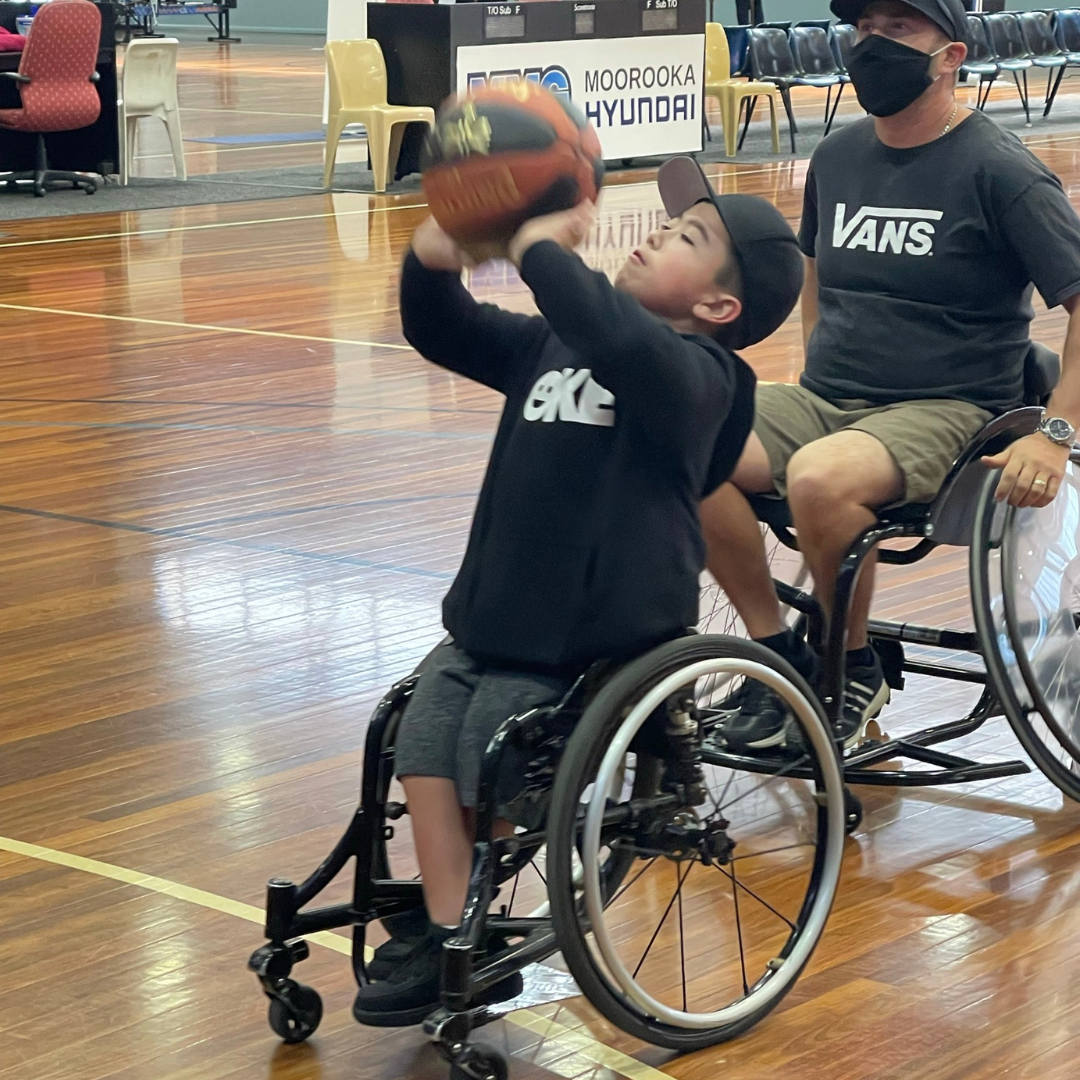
1059, 430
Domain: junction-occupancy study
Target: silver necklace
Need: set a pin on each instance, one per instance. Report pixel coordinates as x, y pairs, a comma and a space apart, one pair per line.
948, 126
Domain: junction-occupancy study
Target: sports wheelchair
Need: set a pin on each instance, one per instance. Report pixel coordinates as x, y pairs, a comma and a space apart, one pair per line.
688, 886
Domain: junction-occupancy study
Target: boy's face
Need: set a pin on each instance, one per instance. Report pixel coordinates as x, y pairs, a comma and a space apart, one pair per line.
674, 274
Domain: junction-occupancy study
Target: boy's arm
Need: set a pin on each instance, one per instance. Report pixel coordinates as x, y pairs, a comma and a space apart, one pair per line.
658, 377
442, 321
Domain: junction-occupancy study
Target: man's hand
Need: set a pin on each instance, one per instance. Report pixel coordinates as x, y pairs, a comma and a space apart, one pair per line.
1033, 469
566, 227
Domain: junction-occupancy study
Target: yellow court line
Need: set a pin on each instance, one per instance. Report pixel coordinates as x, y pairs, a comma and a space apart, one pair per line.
575, 1042
160, 885
202, 326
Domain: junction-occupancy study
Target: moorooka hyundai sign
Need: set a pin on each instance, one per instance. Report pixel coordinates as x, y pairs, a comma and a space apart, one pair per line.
642, 94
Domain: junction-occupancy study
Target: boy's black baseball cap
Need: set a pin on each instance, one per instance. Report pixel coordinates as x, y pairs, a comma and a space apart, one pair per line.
948, 14
770, 262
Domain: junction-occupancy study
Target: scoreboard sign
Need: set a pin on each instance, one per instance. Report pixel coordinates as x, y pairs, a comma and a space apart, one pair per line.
643, 92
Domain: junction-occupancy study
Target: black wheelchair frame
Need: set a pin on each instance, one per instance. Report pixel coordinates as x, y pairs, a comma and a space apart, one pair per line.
962, 511
948, 520
295, 1010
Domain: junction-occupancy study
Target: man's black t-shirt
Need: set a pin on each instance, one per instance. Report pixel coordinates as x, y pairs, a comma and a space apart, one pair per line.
926, 259
586, 542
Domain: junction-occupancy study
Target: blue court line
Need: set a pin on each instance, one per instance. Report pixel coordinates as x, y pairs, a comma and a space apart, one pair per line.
183, 533
323, 430
269, 139
248, 404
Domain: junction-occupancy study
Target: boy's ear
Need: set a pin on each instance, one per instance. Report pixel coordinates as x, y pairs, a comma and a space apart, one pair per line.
720, 310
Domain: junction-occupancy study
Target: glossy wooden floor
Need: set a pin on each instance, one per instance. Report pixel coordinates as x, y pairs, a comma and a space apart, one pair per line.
231, 501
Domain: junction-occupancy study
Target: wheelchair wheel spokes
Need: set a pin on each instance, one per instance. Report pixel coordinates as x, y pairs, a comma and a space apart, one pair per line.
726, 876
1032, 593
716, 613
697, 933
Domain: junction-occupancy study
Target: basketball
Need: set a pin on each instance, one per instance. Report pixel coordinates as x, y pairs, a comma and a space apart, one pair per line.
502, 155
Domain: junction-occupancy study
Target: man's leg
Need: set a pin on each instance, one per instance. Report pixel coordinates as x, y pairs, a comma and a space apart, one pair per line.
737, 559
834, 486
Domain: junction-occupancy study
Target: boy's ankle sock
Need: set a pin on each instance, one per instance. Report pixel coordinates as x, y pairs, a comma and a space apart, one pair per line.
863, 657
794, 650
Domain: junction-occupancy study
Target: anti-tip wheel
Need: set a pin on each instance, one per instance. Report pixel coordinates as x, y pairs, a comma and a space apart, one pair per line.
296, 1015
479, 1063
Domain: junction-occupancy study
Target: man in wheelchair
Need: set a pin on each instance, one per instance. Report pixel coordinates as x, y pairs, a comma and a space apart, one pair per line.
924, 228
624, 405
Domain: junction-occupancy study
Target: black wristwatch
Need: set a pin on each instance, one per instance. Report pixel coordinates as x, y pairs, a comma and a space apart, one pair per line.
1058, 430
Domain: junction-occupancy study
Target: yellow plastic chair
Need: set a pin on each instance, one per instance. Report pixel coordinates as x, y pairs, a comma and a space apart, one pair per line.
731, 93
357, 76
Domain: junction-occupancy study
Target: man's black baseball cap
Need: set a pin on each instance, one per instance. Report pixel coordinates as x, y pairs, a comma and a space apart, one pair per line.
948, 14
770, 263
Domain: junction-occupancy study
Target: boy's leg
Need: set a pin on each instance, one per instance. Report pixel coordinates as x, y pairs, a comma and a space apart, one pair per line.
444, 848
736, 555
426, 764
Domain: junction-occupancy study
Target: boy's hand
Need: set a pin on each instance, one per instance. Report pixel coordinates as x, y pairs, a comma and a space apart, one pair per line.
566, 227
435, 249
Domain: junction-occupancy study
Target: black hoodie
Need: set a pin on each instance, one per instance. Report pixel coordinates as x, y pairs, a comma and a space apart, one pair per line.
586, 542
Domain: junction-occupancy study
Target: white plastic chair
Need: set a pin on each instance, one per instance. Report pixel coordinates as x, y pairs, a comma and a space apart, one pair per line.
148, 88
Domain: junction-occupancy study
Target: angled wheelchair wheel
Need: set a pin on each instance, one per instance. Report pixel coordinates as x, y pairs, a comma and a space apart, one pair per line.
1026, 592
717, 614
695, 905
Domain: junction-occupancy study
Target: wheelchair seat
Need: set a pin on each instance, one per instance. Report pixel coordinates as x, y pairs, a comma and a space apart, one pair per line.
949, 518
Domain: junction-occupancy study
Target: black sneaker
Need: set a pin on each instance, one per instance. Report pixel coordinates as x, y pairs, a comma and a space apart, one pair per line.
411, 992
866, 693
405, 930
755, 718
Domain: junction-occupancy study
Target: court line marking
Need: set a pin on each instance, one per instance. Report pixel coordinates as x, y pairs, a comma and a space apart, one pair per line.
741, 171
219, 224
252, 428
572, 1040
248, 112
180, 532
202, 326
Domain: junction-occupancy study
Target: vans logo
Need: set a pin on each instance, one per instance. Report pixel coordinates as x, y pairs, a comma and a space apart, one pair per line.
570, 395
886, 230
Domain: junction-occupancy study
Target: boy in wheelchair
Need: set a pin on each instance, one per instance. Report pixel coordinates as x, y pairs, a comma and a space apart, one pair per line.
624, 406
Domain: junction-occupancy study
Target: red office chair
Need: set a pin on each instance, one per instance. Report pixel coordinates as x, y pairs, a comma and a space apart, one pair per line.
55, 77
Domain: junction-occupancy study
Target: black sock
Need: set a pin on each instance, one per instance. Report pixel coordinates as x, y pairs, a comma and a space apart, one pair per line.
794, 650
863, 657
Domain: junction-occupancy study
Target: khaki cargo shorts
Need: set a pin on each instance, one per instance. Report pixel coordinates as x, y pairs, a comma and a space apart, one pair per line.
923, 437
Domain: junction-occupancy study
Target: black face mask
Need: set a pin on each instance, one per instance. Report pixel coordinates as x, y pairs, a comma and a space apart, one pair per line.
888, 76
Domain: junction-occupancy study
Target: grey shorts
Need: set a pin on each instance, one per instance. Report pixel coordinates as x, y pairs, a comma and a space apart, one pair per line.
924, 437
457, 707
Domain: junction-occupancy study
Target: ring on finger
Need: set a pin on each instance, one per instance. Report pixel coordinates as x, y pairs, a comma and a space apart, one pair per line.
1038, 482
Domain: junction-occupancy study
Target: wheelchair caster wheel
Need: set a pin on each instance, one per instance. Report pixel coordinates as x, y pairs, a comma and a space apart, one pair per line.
853, 812
476, 1063
296, 1014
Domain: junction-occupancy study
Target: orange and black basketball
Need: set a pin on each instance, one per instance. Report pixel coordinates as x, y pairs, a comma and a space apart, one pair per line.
500, 156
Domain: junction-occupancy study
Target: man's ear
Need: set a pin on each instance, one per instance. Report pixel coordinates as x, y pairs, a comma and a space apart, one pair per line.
719, 311
953, 57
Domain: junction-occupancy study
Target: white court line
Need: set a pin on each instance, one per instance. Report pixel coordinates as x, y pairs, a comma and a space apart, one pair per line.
218, 224
202, 327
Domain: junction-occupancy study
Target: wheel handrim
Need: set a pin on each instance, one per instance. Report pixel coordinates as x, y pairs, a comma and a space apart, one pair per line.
777, 979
